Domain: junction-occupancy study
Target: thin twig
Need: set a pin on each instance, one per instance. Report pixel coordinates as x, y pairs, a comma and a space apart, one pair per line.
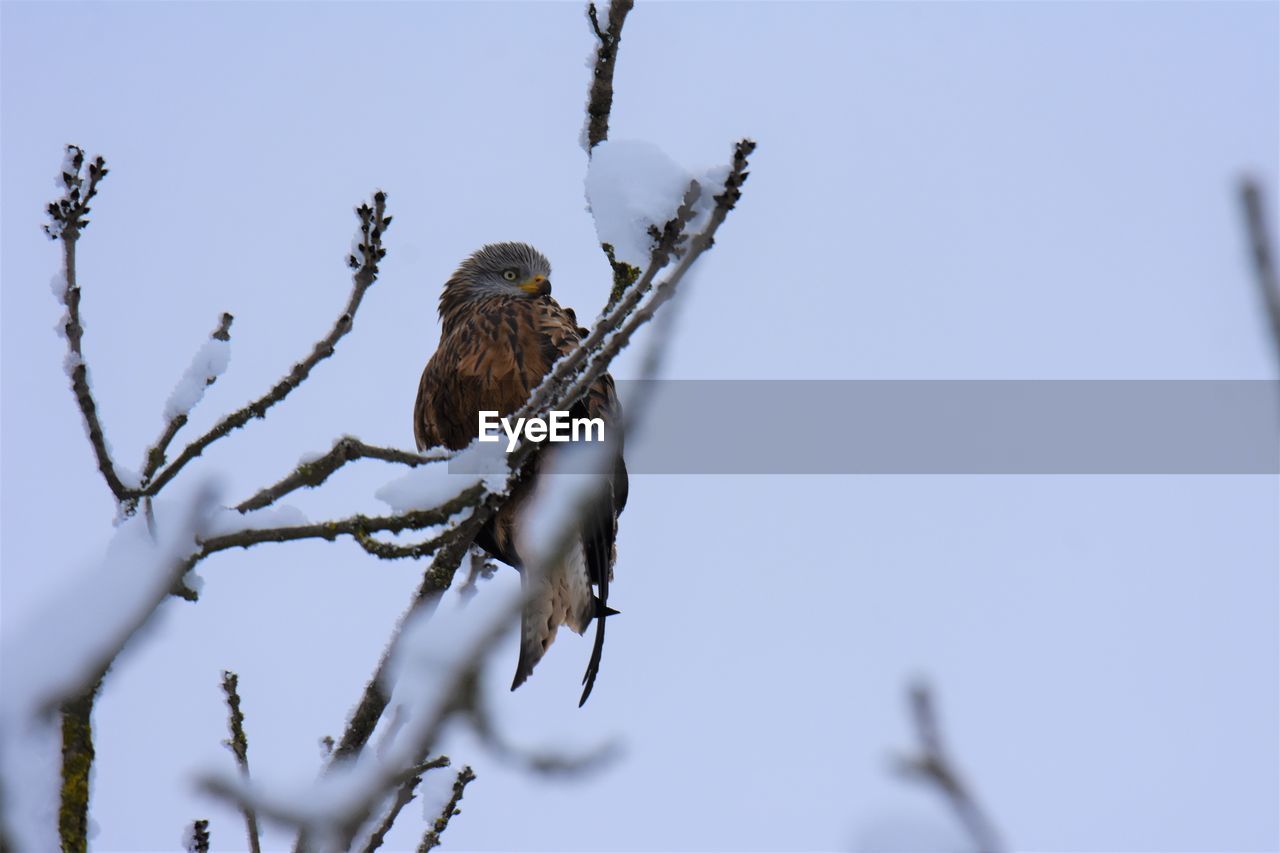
600, 101
933, 765
239, 746
1262, 253
198, 840
346, 449
432, 838
404, 795
68, 217
355, 526
373, 223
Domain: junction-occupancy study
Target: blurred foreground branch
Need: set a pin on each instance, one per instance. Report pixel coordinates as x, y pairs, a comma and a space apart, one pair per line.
935, 767
1261, 250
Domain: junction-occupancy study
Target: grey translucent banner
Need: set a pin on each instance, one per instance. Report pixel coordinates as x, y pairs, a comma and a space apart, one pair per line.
956, 427
953, 427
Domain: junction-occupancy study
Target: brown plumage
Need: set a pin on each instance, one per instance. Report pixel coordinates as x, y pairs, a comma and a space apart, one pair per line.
501, 334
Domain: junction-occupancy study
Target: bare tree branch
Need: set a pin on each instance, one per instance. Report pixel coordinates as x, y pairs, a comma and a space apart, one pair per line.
239, 746
432, 838
373, 223
1262, 252
346, 449
357, 526
934, 766
600, 101
68, 217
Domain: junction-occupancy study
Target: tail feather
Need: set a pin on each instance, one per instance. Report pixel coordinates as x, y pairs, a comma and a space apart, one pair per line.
598, 552
555, 597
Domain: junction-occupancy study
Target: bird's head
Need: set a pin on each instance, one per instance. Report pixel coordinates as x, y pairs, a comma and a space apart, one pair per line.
508, 269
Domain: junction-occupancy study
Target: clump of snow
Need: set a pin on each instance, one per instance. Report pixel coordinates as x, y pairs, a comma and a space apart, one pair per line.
431, 485
226, 520
209, 362
130, 477
58, 284
70, 362
435, 791
68, 167
633, 186
630, 187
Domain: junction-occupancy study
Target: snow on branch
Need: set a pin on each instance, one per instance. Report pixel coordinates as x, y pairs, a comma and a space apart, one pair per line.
83, 628
366, 255
312, 472
404, 795
355, 526
431, 839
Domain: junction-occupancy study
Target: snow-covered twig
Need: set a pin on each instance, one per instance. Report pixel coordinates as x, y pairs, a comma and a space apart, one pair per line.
1262, 253
364, 262
312, 473
600, 101
933, 765
200, 375
567, 366
664, 290
431, 839
239, 746
355, 526
404, 795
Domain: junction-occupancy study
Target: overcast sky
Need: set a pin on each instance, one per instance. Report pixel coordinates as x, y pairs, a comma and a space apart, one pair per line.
973, 190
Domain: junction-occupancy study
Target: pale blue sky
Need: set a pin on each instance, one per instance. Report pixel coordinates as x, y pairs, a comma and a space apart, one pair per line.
942, 190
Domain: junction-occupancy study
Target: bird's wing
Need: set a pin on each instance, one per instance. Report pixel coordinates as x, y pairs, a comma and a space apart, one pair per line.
600, 521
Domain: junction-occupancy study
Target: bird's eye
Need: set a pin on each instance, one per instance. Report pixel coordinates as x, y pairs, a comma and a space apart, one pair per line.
509, 275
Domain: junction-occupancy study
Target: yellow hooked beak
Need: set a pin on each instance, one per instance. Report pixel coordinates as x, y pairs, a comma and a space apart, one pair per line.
538, 285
